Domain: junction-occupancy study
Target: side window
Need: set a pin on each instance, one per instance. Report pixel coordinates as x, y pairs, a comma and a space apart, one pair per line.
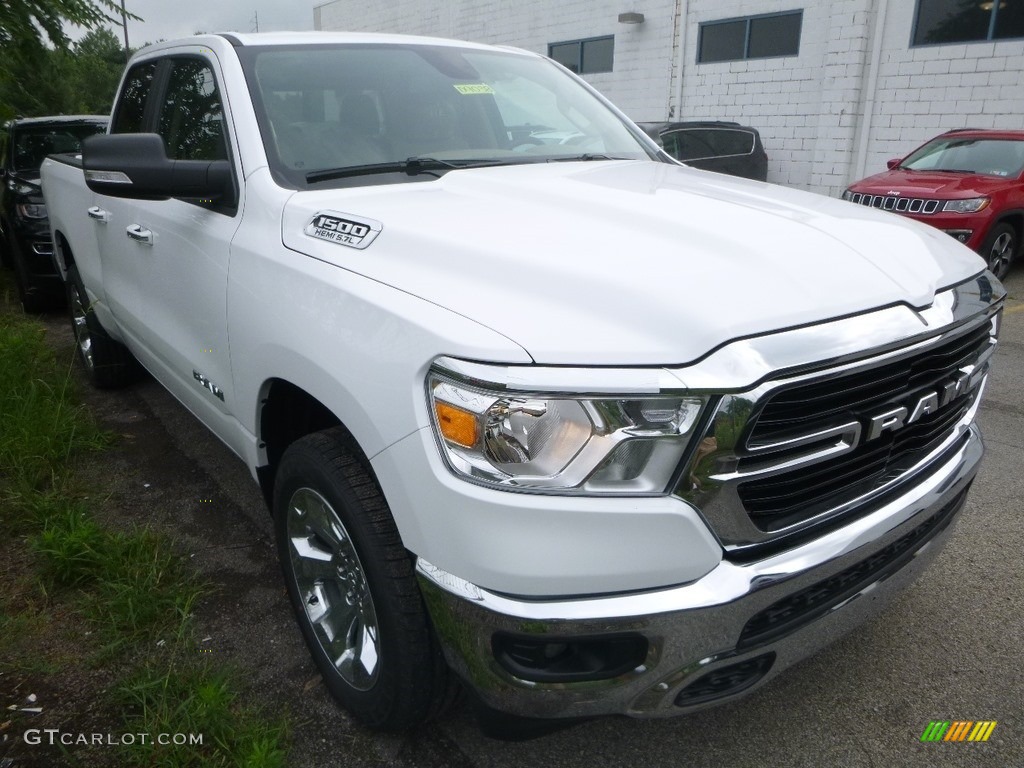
192, 120
131, 109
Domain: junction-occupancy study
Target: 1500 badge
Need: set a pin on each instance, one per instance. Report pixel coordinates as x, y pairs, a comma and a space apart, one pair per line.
343, 229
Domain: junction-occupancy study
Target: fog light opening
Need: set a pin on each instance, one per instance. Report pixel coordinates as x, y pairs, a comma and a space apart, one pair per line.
725, 681
960, 235
545, 659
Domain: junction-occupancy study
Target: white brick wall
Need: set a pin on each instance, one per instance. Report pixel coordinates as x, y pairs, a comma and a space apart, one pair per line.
639, 84
923, 91
809, 108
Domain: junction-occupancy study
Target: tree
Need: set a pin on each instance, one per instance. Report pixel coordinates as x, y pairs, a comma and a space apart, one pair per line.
43, 81
34, 60
25, 22
94, 69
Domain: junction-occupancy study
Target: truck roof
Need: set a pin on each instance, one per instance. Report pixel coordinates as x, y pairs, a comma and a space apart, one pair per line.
239, 39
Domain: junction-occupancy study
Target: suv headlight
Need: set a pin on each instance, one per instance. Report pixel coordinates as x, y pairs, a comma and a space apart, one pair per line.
972, 205
848, 194
560, 443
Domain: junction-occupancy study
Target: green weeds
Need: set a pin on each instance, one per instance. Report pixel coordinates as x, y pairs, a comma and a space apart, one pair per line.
197, 699
127, 591
40, 424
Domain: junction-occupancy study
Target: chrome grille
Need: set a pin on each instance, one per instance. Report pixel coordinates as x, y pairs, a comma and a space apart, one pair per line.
918, 205
799, 442
779, 500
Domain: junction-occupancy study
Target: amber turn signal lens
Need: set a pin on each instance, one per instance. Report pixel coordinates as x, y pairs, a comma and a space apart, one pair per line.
457, 426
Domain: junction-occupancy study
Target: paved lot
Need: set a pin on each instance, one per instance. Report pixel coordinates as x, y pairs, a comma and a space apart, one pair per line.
949, 648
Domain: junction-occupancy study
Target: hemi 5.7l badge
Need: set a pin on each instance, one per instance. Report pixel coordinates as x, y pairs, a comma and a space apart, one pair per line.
343, 229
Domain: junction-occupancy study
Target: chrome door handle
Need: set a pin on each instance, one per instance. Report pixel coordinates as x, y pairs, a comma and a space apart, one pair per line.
139, 234
99, 214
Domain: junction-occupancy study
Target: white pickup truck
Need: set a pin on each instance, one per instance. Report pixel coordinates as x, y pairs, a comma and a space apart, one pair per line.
594, 431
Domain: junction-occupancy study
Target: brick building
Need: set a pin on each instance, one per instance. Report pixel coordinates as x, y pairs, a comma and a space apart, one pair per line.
835, 87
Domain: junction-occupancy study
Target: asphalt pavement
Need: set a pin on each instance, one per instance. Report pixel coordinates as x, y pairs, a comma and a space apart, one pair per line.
949, 648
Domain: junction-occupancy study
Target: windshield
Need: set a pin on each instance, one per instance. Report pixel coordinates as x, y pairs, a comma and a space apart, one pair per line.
991, 157
33, 143
328, 108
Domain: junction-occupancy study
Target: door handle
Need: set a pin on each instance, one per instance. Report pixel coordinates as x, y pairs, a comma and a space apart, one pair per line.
99, 214
139, 234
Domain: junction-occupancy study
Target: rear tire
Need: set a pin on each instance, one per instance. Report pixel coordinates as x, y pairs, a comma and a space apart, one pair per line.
999, 249
108, 364
353, 586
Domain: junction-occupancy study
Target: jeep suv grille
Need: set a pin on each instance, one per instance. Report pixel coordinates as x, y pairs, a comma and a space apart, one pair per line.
917, 205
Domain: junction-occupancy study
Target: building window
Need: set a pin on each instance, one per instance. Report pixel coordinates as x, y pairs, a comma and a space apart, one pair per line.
584, 57
752, 37
963, 21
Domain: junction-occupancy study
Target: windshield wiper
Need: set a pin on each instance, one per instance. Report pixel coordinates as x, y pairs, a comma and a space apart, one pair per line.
585, 157
951, 170
412, 166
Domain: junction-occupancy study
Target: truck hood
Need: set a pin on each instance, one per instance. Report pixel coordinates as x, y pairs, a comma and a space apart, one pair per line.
944, 186
630, 262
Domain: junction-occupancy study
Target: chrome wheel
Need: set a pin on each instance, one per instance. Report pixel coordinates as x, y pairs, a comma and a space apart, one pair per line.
999, 250
80, 322
1001, 254
333, 588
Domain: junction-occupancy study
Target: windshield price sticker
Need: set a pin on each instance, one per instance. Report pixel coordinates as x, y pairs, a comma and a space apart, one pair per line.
343, 229
468, 89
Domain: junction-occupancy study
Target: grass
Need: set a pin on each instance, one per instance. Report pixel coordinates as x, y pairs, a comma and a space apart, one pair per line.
41, 426
128, 591
198, 699
139, 588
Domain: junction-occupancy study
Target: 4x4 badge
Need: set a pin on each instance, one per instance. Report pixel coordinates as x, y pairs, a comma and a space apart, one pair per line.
343, 229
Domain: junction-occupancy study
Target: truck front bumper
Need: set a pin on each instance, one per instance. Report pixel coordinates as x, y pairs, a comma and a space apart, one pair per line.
712, 640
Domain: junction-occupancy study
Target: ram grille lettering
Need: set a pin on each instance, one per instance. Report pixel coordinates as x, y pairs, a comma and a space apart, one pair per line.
929, 402
895, 417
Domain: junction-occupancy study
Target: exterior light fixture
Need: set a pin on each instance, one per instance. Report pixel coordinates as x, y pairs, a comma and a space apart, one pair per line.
631, 18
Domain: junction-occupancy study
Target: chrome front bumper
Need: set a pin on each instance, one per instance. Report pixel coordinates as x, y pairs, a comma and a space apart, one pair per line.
704, 627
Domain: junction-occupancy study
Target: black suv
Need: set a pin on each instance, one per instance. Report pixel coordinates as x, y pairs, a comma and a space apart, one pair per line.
24, 229
713, 146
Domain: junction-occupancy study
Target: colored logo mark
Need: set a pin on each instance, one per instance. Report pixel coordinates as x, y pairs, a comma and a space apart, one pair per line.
958, 730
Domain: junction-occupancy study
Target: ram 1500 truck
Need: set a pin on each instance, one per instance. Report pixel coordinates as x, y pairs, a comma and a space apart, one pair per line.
535, 407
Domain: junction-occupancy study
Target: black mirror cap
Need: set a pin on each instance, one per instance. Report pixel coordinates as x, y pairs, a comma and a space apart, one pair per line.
135, 165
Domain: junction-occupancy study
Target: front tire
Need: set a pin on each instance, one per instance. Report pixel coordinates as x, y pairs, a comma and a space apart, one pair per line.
999, 249
353, 587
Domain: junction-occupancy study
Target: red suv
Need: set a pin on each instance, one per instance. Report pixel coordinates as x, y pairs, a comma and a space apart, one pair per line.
969, 183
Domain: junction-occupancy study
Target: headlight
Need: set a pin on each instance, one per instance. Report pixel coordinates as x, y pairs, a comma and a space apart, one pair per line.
973, 205
848, 195
560, 443
31, 210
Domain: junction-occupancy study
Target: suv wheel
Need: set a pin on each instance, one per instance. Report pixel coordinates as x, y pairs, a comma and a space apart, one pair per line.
999, 249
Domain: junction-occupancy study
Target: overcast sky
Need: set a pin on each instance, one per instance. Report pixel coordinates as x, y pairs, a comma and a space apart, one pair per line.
168, 19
